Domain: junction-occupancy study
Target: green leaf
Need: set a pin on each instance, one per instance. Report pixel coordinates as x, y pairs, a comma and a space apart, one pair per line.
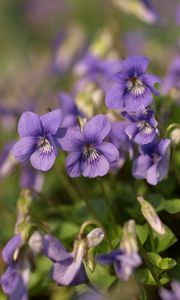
145, 276
163, 242
172, 206
167, 263
162, 263
142, 232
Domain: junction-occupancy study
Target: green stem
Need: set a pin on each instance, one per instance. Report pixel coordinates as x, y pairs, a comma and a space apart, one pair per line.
108, 204
148, 264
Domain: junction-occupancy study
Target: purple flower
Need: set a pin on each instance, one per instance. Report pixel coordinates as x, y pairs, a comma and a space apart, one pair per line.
95, 69
39, 139
68, 268
174, 294
7, 161
70, 111
118, 137
131, 87
14, 279
90, 156
172, 79
92, 295
124, 263
153, 162
31, 178
143, 126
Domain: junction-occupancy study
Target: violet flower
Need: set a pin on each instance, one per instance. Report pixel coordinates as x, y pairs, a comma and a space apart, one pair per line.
143, 127
131, 87
124, 263
97, 70
172, 79
89, 155
174, 294
152, 164
70, 111
68, 268
120, 140
39, 139
14, 279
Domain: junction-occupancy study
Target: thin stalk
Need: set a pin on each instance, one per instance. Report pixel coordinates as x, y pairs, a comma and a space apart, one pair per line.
149, 264
108, 204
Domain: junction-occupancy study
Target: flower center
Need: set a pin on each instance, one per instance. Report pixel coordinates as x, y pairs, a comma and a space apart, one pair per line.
90, 152
44, 145
145, 126
135, 86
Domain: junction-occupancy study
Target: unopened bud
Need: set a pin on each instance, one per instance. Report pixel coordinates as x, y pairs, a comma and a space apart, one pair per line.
151, 216
35, 242
95, 237
175, 136
129, 241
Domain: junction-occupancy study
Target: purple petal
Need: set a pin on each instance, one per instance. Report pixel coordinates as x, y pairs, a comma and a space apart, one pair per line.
43, 160
23, 149
10, 280
150, 81
73, 164
115, 94
163, 146
110, 152
97, 128
131, 131
29, 125
93, 168
54, 250
135, 64
73, 140
141, 166
108, 258
13, 244
133, 102
65, 272
51, 121
145, 136
152, 175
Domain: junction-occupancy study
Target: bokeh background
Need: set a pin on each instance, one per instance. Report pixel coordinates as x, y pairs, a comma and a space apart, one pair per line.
30, 31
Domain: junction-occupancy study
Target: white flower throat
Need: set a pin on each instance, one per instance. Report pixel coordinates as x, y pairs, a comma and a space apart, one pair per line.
44, 145
135, 86
90, 152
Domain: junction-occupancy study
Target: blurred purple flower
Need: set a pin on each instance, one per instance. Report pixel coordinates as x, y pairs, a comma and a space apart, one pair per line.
178, 15
14, 279
153, 162
155, 17
94, 69
69, 109
124, 263
68, 268
172, 79
90, 156
7, 161
131, 87
120, 140
174, 294
143, 126
92, 295
31, 178
39, 139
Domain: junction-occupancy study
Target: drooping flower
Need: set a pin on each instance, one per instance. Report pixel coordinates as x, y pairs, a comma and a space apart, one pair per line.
68, 268
120, 140
126, 258
14, 280
174, 294
132, 86
153, 162
143, 126
172, 80
39, 139
90, 155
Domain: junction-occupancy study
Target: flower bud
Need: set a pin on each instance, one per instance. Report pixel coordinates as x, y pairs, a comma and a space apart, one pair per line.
35, 242
151, 216
129, 242
175, 136
95, 237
